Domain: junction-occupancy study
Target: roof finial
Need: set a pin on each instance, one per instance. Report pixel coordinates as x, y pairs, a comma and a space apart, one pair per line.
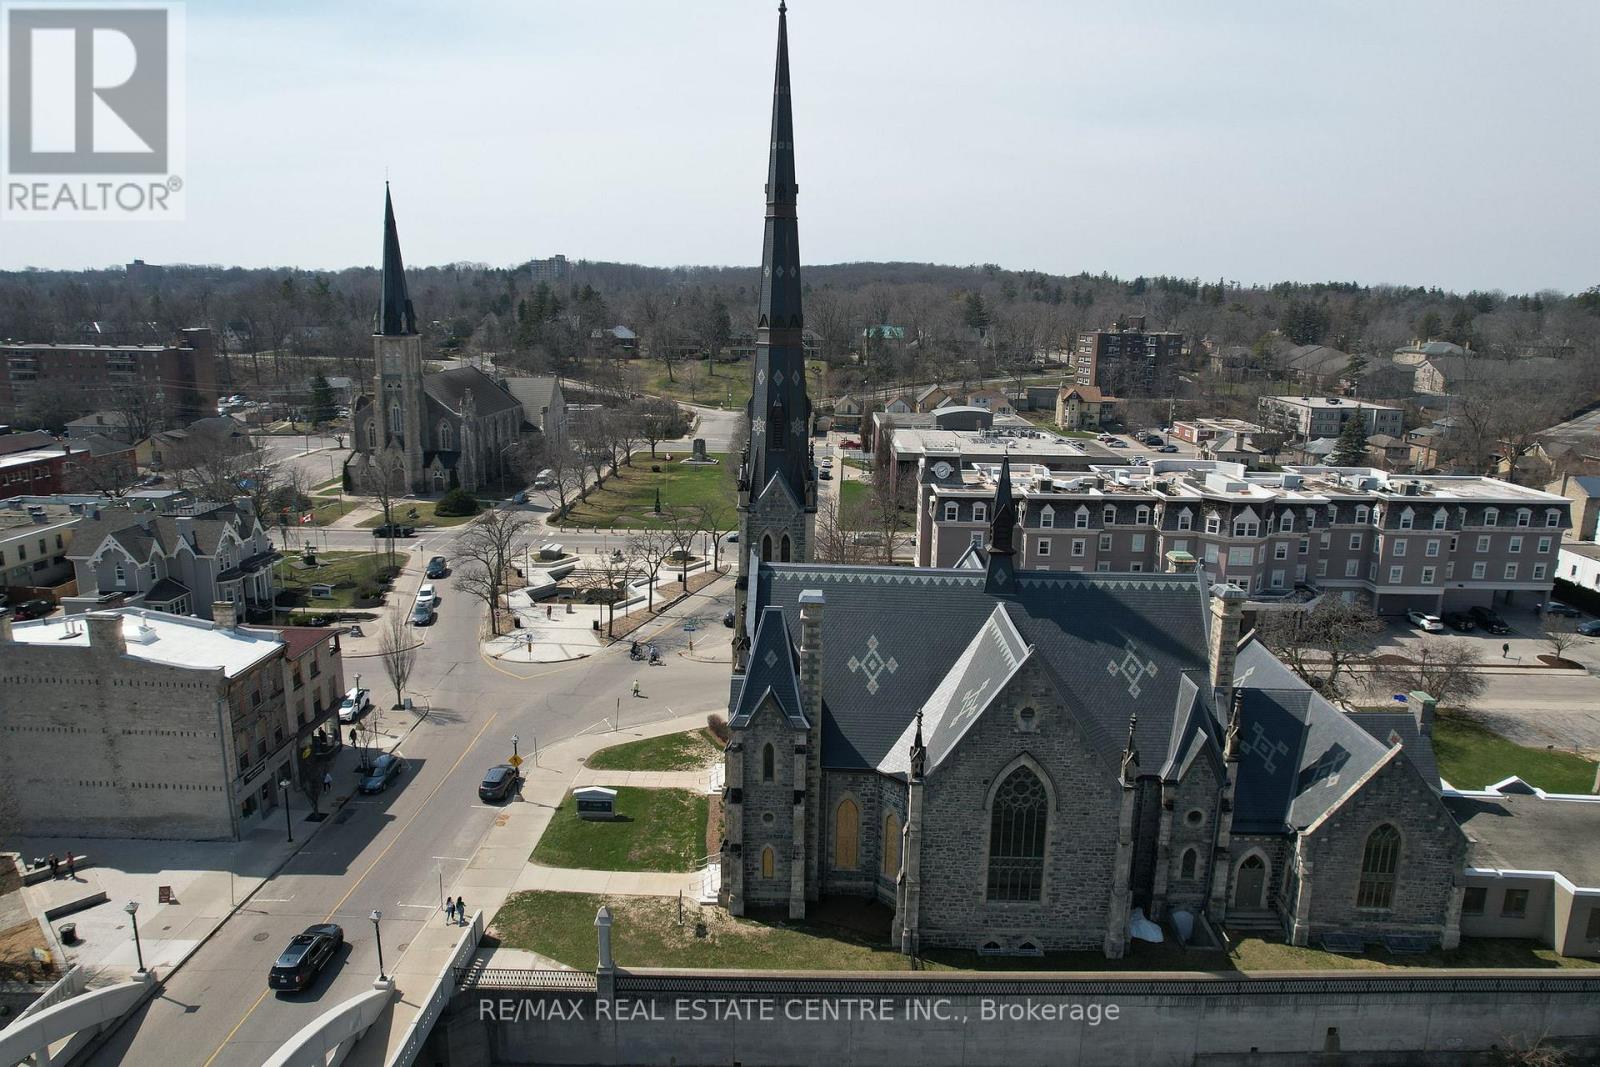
782, 7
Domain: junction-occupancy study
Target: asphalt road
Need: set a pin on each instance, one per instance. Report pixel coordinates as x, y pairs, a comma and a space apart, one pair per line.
217, 1010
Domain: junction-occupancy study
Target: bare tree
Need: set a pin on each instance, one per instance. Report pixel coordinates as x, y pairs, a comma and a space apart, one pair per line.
1560, 635
109, 474
625, 436
830, 541
398, 651
1446, 670
683, 525
651, 547
889, 500
594, 444
381, 480
610, 575
483, 554
658, 420
1323, 644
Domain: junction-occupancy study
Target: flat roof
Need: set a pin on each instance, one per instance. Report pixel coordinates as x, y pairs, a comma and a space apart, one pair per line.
176, 640
1331, 402
38, 455
1021, 443
1520, 832
15, 519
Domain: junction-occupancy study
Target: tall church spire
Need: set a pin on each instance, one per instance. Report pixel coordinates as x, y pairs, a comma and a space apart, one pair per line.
395, 317
780, 412
1002, 575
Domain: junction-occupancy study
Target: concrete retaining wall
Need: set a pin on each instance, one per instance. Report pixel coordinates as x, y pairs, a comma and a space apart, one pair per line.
1020, 1021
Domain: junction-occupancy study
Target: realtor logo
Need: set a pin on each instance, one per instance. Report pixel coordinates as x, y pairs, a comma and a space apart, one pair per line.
93, 111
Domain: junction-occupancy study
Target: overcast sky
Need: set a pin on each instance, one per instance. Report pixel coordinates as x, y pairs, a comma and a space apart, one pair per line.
1448, 143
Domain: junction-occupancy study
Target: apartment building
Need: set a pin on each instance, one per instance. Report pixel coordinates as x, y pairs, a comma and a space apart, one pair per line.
942, 447
181, 377
1311, 417
35, 464
34, 540
1430, 542
1127, 360
132, 723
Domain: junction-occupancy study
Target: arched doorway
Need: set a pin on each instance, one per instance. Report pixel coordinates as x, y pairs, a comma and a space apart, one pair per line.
1250, 885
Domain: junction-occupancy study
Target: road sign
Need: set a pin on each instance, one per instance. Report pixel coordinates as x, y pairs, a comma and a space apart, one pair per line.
515, 761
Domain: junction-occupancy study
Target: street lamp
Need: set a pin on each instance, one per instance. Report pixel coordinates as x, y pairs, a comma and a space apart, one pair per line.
514, 740
283, 784
377, 934
132, 908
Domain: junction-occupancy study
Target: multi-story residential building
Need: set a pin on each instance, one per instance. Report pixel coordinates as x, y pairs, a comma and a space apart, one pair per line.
1311, 417
1082, 407
908, 447
1199, 431
1126, 360
180, 377
554, 269
36, 464
1436, 543
34, 540
182, 563
131, 723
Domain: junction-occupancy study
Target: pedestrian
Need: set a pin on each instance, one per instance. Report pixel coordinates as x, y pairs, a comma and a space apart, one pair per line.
635, 693
461, 911
547, 611
327, 781
1505, 650
449, 909
55, 864
72, 866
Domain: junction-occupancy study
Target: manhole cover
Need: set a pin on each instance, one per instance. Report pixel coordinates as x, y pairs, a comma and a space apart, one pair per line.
260, 937
404, 945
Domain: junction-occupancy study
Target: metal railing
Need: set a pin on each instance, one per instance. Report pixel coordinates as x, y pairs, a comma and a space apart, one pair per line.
522, 978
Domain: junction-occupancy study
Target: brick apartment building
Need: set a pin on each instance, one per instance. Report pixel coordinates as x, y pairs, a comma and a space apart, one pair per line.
1430, 542
131, 723
181, 376
1127, 360
33, 463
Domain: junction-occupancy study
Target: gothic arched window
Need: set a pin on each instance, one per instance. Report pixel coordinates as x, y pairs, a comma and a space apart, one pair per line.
1186, 866
766, 548
1379, 860
445, 437
776, 423
767, 761
767, 862
395, 423
372, 435
1020, 813
783, 549
846, 835
891, 844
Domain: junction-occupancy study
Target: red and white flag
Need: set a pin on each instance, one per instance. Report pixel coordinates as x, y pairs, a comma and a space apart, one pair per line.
306, 518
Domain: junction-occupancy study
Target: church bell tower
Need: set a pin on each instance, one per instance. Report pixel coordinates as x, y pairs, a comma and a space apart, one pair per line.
777, 478
397, 358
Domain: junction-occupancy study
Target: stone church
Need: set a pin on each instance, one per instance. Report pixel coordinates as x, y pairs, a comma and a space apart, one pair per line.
1013, 761
447, 429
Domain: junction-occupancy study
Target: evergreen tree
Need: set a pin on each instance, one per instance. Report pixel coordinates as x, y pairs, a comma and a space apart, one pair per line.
324, 405
1351, 451
977, 315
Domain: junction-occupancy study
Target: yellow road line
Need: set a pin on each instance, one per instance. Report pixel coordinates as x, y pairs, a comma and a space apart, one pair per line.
370, 867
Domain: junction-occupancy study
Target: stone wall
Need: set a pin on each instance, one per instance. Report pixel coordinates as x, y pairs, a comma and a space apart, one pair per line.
861, 787
763, 799
1198, 791
1082, 844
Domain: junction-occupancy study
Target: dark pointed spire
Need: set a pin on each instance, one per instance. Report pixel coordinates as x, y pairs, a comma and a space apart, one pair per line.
1003, 526
1130, 754
395, 317
919, 751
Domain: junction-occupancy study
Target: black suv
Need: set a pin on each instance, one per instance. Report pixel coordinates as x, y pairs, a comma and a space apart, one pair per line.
306, 956
399, 531
1487, 619
438, 567
499, 783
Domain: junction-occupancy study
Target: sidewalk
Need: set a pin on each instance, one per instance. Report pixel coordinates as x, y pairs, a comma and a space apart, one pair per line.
694, 781
619, 883
500, 867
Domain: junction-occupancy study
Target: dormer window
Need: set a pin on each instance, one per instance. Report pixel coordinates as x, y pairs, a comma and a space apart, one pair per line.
1108, 515
1408, 519
1141, 515
1213, 523
1080, 518
1286, 521
1552, 517
1441, 519
1185, 519
1491, 516
980, 512
1047, 517
1524, 517
1361, 515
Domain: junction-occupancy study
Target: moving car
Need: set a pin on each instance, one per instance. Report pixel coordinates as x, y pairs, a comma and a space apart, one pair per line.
545, 479
305, 957
399, 530
499, 782
1117, 442
438, 567
1167, 448
1424, 621
387, 769
825, 474
1591, 628
354, 704
1487, 619
1556, 607
827, 461
426, 595
1154, 440
1459, 621
422, 614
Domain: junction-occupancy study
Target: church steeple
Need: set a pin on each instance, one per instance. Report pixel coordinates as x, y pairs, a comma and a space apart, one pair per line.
780, 411
1002, 576
395, 317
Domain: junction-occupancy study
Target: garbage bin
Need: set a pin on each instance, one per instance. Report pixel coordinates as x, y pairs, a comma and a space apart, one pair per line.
594, 624
69, 933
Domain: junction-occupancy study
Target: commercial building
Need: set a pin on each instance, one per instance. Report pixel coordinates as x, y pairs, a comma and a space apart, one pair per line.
1311, 417
1429, 542
34, 540
909, 447
179, 378
132, 723
1127, 360
35, 464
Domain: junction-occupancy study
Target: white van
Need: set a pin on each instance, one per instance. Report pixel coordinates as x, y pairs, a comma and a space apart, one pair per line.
545, 479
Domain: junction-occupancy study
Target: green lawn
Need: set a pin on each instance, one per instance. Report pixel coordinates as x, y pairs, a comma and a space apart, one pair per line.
416, 513
628, 499
656, 830
844, 936
698, 381
350, 573
675, 752
1472, 756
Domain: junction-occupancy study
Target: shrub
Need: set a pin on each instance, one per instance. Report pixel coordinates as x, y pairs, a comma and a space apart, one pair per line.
457, 502
718, 727
368, 592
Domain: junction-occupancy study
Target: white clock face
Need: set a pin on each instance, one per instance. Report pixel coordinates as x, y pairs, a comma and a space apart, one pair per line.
942, 469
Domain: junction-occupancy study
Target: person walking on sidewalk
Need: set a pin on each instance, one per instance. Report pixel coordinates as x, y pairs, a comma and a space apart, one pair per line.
449, 909
72, 867
461, 911
1505, 650
55, 863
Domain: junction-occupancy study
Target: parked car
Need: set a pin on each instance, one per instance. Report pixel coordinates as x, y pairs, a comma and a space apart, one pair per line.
520, 498
827, 461
1590, 628
1459, 621
438, 567
1487, 619
1117, 442
545, 479
825, 474
422, 614
499, 782
1556, 607
354, 704
387, 769
727, 617
32, 609
305, 957
1422, 620
1154, 440
1167, 448
399, 530
733, 538
426, 595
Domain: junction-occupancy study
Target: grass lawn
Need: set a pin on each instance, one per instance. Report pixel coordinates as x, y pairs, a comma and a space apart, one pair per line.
852, 936
657, 830
1472, 756
347, 572
629, 498
698, 381
329, 486
417, 513
324, 512
687, 751
853, 497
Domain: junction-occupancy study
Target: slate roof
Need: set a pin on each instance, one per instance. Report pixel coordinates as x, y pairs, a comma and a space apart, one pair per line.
1400, 728
123, 526
772, 671
892, 635
165, 591
449, 387
534, 394
25, 441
